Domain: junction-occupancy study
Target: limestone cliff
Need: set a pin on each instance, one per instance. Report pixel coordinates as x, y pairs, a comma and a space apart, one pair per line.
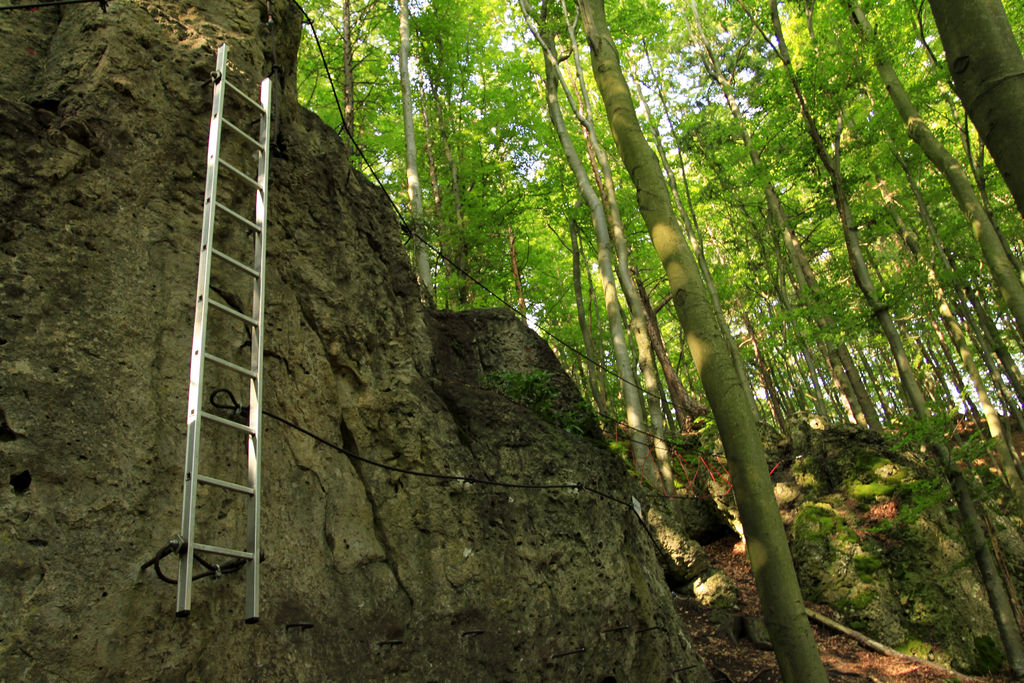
369, 574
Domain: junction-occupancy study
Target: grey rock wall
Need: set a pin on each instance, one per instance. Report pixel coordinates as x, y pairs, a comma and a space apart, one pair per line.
370, 574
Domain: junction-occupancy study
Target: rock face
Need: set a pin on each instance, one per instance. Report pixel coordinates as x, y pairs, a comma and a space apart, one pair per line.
369, 573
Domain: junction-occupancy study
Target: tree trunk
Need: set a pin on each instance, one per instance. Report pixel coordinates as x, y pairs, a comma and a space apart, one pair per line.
845, 375
988, 75
767, 380
1006, 458
412, 174
348, 117
686, 405
638, 323
697, 246
630, 390
516, 276
595, 383
767, 547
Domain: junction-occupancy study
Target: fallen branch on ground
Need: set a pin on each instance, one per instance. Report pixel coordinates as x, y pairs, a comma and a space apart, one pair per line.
880, 647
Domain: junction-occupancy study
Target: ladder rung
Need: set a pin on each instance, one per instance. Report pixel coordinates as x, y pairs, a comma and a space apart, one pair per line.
231, 311
240, 174
203, 479
245, 220
241, 426
243, 95
229, 365
242, 133
236, 263
217, 550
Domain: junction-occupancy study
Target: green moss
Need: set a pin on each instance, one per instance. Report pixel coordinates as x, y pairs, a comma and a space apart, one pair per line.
866, 566
870, 462
857, 602
819, 514
870, 491
916, 647
988, 657
806, 481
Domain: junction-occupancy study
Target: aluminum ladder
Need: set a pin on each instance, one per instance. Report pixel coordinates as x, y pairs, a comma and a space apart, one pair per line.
199, 414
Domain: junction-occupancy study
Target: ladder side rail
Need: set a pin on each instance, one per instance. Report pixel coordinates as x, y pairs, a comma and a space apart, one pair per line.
199, 330
255, 440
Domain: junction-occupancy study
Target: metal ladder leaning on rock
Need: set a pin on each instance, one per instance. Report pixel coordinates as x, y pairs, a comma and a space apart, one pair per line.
253, 320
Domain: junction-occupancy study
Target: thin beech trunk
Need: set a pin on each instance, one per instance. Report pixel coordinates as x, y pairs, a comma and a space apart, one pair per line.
453, 238
767, 381
630, 390
1005, 457
412, 175
988, 340
689, 224
638, 324
844, 373
595, 383
974, 532
686, 405
348, 117
767, 546
517, 279
428, 147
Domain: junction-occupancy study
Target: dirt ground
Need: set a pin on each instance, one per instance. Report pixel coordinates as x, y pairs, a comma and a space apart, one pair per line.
740, 661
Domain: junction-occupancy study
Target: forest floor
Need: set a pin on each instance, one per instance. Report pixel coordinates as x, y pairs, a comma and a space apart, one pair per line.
734, 660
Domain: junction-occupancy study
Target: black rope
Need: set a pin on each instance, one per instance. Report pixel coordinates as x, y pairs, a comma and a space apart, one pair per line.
172, 547
344, 124
237, 409
433, 475
56, 3
177, 546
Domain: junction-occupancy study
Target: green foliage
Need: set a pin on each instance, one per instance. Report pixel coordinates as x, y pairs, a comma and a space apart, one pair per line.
491, 167
536, 391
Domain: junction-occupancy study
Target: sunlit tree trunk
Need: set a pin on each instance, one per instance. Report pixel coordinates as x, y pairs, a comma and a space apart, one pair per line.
412, 175
767, 380
593, 380
988, 74
767, 546
457, 239
517, 279
638, 323
428, 147
692, 231
348, 117
686, 405
1006, 459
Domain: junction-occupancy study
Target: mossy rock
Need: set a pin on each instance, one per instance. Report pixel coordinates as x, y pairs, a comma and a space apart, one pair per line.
876, 536
715, 589
937, 585
836, 567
